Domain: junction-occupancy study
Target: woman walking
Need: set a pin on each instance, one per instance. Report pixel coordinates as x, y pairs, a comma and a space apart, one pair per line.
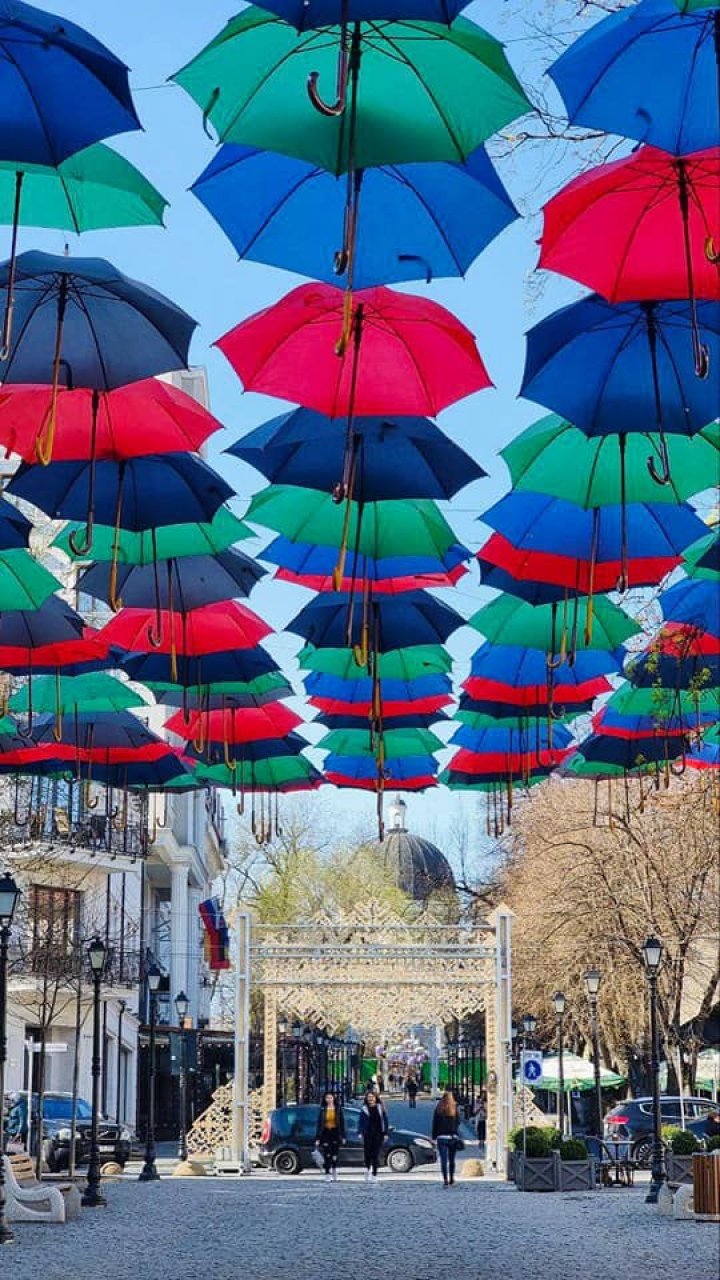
445, 1126
411, 1086
330, 1134
373, 1129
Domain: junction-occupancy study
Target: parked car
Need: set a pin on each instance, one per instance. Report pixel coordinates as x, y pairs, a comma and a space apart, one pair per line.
288, 1139
114, 1140
632, 1120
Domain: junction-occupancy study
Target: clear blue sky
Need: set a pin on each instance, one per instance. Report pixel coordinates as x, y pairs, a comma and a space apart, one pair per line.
193, 262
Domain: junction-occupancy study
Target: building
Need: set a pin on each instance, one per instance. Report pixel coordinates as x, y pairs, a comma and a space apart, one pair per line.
416, 865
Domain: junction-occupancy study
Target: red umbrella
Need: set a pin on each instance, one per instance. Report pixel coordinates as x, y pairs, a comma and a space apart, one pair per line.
370, 784
506, 762
146, 417
384, 587
583, 577
215, 628
534, 695
235, 725
681, 640
641, 228
396, 353
418, 707
47, 658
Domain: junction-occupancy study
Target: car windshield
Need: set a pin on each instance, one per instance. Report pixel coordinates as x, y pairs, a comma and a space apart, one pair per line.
55, 1108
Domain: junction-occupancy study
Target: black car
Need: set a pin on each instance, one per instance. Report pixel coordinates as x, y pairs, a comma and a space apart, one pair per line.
288, 1140
114, 1140
632, 1121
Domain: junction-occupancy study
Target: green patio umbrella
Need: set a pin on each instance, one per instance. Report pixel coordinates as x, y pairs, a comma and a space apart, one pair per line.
508, 620
578, 1073
553, 457
397, 743
415, 90
167, 542
24, 583
398, 664
707, 1074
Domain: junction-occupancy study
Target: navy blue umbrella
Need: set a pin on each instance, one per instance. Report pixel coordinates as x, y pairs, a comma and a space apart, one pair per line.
188, 582
142, 775
191, 700
414, 618
96, 731
15, 528
649, 72
408, 721
79, 322
663, 671
248, 752
314, 564
210, 668
319, 684
394, 457
694, 602
60, 88
53, 623
629, 753
305, 15
498, 710
288, 213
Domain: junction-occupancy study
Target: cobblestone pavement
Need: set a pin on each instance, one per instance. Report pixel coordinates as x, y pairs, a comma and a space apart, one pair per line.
405, 1228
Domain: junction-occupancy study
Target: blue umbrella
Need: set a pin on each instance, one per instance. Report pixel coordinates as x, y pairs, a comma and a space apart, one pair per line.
649, 72
188, 582
288, 213
536, 738
395, 457
626, 367
305, 15
319, 685
518, 666
409, 721
248, 752
53, 623
662, 671
96, 731
395, 770
628, 753
15, 528
666, 724
306, 560
695, 602
414, 618
470, 708
60, 88
211, 668
142, 775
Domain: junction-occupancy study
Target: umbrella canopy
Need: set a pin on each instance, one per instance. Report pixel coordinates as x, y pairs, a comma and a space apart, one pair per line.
95, 692
396, 743
627, 367
224, 694
52, 623
313, 566
629, 753
395, 458
71, 657
637, 228
357, 688
144, 775
98, 731
60, 88
648, 72
531, 740
194, 671
24, 583
391, 777
405, 354
696, 603
508, 621
90, 190
657, 670
289, 213
702, 559
136, 494
413, 618
15, 528
578, 1073
81, 322
404, 663
306, 14
239, 754
281, 773
167, 542
450, 90
541, 577
365, 768
520, 667
187, 583
212, 629
235, 726
552, 456
495, 784
105, 424
417, 713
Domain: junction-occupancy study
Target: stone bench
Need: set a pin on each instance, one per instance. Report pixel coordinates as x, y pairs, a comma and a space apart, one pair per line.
28, 1200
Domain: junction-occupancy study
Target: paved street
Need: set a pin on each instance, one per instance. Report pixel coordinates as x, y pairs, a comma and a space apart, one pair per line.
407, 1228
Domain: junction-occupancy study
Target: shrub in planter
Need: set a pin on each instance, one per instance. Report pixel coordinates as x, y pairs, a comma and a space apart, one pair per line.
682, 1142
555, 1139
573, 1149
713, 1144
536, 1136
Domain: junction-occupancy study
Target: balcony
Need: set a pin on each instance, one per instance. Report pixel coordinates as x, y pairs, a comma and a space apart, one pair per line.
65, 965
64, 817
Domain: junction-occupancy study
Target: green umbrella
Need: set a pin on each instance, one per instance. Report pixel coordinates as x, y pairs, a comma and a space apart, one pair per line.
578, 767
24, 583
664, 704
397, 743
695, 553
164, 543
691, 6
96, 691
409, 527
480, 720
398, 664
554, 457
499, 789
423, 91
578, 1073
508, 620
275, 772
241, 688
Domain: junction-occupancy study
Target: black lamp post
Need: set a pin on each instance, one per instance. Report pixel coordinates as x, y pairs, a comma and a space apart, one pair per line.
282, 1027
297, 1037
149, 1172
92, 1196
559, 1003
652, 955
592, 986
9, 898
182, 1004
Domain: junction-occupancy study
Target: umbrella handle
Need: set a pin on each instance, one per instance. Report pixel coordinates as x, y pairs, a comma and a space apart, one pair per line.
711, 253
90, 803
229, 763
154, 638
81, 546
336, 108
663, 476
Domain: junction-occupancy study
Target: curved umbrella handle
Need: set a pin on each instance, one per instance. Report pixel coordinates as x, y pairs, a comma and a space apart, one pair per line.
80, 546
711, 253
660, 477
702, 360
336, 108
155, 638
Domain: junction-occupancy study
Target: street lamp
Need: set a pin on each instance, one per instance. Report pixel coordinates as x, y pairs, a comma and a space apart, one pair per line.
92, 1196
559, 1003
652, 954
149, 1172
9, 898
529, 1025
593, 979
182, 1004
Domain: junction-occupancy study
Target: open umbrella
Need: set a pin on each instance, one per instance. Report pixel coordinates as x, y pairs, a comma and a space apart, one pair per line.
24, 583
414, 618
64, 695
292, 214
396, 775
693, 602
397, 743
306, 14
394, 457
508, 621
408, 663
233, 726
578, 1073
216, 628
312, 566
15, 528
90, 190
180, 585
168, 542
627, 367
196, 673
414, 90
355, 686
702, 559
541, 577
648, 72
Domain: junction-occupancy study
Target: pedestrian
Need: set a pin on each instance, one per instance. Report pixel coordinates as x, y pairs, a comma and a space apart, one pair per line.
445, 1126
412, 1091
480, 1114
330, 1134
712, 1125
373, 1129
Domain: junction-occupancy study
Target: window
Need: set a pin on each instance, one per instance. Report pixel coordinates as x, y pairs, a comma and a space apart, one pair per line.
352, 1123
306, 1119
124, 1083
54, 926
55, 1108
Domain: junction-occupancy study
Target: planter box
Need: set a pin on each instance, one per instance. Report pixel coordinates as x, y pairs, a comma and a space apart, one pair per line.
550, 1173
510, 1164
577, 1175
679, 1169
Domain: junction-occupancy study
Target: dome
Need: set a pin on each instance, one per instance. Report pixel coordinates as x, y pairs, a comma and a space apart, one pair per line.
417, 866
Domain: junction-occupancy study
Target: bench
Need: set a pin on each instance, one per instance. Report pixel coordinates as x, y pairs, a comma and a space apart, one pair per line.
31, 1201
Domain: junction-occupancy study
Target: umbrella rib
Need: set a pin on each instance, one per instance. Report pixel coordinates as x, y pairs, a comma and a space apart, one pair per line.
81, 304
71, 206
394, 172
31, 95
402, 57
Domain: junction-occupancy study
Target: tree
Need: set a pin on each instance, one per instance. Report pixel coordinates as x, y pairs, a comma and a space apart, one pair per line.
589, 882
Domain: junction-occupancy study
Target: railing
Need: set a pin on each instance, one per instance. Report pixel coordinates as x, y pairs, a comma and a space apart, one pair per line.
62, 814
64, 965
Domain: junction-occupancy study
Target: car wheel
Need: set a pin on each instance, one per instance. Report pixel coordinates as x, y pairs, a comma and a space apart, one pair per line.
642, 1153
400, 1160
286, 1161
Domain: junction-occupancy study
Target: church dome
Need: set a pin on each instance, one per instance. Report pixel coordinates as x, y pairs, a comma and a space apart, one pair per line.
416, 865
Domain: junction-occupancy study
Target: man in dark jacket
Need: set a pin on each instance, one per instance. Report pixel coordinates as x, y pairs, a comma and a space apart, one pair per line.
330, 1134
373, 1129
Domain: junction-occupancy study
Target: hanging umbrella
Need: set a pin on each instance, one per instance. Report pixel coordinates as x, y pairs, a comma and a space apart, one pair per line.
61, 695
656, 670
397, 743
492, 785
702, 559
386, 352
337, 714
24, 583
307, 14
615, 724
53, 622
449, 90
224, 694
395, 458
395, 771
103, 424
164, 543
694, 602
648, 72
60, 88
180, 585
235, 727
144, 775
630, 753
523, 670
409, 663
669, 710
551, 456
15, 528
533, 741
541, 578
627, 367
507, 621
189, 672
212, 629
365, 767
645, 226
275, 773
312, 566
292, 214
356, 686
414, 618
246, 753
479, 714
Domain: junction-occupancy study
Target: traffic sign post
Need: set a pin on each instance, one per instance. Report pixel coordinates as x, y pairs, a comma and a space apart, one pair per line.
531, 1067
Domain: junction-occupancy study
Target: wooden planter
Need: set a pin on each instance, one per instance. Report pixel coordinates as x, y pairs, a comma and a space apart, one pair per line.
510, 1155
577, 1175
706, 1181
550, 1173
679, 1169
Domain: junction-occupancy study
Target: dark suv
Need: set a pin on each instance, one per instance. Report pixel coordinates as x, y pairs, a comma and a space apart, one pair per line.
288, 1139
632, 1120
114, 1140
